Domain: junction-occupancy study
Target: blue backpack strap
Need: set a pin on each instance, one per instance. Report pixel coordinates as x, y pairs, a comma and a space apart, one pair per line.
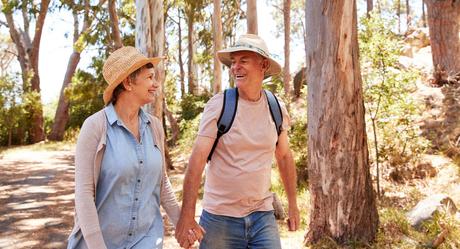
275, 110
227, 115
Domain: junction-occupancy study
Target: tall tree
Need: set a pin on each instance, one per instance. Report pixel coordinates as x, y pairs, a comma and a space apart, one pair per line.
370, 6
287, 40
150, 40
423, 14
444, 27
398, 13
251, 14
343, 200
181, 61
408, 16
191, 7
61, 117
217, 45
28, 55
116, 35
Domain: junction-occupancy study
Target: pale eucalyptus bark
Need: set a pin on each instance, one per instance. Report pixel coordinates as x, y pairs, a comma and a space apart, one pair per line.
217, 45
343, 203
150, 41
287, 39
251, 15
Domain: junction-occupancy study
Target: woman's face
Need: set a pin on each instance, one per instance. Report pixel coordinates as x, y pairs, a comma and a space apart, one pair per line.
145, 86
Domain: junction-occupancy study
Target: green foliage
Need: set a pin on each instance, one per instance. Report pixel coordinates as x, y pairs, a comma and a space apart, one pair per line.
441, 221
85, 95
188, 132
193, 105
11, 110
388, 92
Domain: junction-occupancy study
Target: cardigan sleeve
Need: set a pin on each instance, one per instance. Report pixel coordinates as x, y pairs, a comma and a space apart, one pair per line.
167, 198
85, 206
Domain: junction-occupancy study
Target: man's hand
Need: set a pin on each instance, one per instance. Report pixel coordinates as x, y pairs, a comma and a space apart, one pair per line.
293, 221
188, 231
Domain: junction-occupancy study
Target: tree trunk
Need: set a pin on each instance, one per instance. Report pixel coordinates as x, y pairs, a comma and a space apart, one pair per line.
116, 36
61, 118
252, 16
217, 42
370, 7
150, 41
343, 200
191, 76
175, 130
423, 14
408, 16
398, 13
181, 61
28, 56
287, 39
444, 24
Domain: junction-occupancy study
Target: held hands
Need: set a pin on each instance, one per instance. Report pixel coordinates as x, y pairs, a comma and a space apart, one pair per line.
187, 232
293, 221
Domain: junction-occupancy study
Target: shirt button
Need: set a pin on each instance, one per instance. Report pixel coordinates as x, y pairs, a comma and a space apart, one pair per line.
134, 218
138, 180
136, 199
130, 234
141, 162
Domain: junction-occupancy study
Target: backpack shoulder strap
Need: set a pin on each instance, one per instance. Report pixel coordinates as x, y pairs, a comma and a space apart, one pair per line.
275, 110
227, 115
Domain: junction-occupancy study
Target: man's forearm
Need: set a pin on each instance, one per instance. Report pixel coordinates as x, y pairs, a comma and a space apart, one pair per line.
192, 182
288, 177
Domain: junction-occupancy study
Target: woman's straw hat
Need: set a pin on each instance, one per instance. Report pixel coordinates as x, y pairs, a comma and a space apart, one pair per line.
250, 42
120, 64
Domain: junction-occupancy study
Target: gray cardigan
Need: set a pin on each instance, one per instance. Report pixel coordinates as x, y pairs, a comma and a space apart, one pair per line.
88, 158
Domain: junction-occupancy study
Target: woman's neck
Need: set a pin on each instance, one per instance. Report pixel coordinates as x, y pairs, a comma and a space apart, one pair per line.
128, 111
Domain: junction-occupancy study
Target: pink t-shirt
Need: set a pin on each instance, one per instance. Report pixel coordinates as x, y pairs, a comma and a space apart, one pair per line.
238, 176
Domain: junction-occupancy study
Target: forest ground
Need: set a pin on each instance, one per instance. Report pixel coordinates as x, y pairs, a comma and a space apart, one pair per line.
37, 198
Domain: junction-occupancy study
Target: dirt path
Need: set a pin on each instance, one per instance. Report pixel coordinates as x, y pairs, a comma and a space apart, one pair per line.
37, 200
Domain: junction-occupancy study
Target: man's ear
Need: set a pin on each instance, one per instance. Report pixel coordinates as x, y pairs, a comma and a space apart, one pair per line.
265, 64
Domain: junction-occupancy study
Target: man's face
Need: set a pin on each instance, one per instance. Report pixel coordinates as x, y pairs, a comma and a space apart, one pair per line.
247, 67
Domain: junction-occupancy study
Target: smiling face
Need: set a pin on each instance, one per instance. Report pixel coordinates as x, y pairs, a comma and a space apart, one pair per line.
247, 68
145, 86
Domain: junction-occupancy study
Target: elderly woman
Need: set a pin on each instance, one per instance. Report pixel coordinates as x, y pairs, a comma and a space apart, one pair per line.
120, 178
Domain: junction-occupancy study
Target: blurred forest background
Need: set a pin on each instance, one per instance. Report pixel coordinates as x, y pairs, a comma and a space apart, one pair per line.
412, 108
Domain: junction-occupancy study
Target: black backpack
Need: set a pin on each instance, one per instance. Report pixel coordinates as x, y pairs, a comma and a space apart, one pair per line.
230, 104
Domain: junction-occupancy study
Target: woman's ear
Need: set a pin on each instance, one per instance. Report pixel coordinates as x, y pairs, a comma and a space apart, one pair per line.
127, 84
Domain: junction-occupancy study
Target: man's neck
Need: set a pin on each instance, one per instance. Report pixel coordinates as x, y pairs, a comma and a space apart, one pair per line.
252, 93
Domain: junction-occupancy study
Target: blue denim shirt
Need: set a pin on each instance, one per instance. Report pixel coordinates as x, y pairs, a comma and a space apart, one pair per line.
128, 189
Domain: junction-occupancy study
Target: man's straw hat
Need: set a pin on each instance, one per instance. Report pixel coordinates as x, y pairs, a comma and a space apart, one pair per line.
120, 64
250, 42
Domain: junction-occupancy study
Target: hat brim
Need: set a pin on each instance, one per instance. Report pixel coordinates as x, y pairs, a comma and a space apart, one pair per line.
112, 85
224, 57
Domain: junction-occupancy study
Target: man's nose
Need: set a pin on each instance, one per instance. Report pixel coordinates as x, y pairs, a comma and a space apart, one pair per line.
236, 65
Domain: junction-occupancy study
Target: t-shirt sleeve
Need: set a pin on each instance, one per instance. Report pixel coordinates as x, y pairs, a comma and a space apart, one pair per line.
286, 119
211, 113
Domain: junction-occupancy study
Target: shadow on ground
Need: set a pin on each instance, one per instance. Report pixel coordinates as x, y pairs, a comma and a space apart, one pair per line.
442, 126
36, 199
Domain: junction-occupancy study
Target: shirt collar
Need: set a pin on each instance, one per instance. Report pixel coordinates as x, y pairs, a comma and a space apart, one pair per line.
144, 116
112, 116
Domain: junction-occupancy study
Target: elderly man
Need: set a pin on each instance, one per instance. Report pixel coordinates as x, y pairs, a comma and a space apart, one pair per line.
237, 202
